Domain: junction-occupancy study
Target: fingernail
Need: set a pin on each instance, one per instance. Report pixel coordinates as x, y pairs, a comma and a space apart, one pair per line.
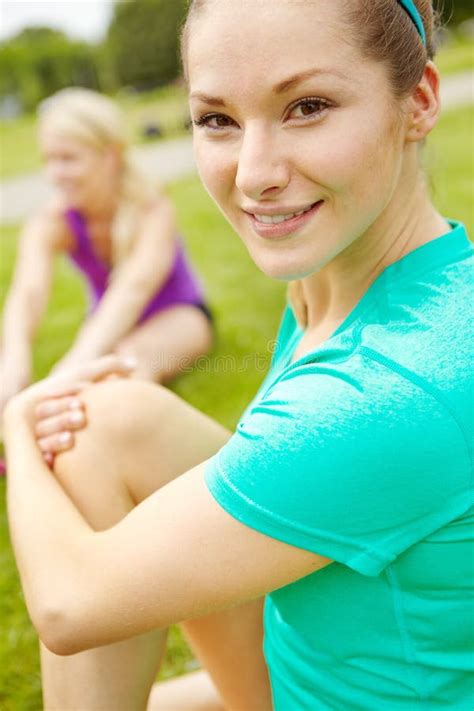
64, 437
74, 404
76, 417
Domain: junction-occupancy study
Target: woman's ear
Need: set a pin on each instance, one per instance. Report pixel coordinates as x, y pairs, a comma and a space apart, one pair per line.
424, 105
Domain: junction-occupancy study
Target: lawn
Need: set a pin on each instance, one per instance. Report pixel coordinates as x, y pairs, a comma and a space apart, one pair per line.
168, 108
247, 319
456, 55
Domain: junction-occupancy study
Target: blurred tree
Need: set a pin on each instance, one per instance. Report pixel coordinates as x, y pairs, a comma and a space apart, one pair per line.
455, 11
39, 61
142, 45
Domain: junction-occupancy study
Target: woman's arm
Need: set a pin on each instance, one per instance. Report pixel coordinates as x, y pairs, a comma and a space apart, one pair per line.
141, 275
27, 299
177, 555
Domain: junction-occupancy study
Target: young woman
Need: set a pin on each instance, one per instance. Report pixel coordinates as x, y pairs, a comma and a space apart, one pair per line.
335, 520
121, 235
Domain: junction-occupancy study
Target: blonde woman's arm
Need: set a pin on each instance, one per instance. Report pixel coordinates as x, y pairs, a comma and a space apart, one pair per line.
140, 276
27, 299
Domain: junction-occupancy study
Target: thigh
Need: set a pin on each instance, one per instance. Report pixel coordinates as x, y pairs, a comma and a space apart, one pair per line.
169, 342
229, 645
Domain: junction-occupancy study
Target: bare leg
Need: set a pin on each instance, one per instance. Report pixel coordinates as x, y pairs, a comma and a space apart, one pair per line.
124, 455
168, 343
192, 692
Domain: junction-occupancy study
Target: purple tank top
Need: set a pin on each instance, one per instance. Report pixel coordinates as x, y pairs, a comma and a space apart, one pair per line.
181, 286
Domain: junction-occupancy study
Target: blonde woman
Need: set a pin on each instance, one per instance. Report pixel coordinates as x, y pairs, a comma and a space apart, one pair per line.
121, 235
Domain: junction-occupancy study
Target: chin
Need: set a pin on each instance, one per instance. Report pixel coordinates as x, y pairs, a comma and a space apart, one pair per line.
286, 264
284, 269
70, 197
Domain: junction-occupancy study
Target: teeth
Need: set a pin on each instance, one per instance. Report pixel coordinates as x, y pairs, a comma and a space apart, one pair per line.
273, 219
276, 219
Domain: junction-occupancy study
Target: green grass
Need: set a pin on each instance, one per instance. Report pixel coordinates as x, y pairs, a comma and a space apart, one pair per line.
167, 107
456, 55
449, 164
247, 307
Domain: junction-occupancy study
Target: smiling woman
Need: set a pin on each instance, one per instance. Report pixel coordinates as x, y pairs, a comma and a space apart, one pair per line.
317, 557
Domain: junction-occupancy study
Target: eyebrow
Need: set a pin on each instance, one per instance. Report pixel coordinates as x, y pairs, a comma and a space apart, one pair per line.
212, 100
279, 88
303, 76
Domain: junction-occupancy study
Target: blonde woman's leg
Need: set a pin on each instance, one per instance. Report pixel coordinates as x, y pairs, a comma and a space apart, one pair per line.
168, 343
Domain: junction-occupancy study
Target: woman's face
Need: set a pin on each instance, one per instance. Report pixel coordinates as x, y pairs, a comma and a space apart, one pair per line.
290, 119
79, 172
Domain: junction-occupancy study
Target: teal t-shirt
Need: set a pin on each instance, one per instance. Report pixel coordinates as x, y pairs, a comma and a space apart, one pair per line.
361, 451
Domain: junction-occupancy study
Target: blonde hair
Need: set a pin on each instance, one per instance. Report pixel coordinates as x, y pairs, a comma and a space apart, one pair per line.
96, 121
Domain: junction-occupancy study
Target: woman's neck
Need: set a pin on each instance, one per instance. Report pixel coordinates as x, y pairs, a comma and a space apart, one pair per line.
102, 212
333, 292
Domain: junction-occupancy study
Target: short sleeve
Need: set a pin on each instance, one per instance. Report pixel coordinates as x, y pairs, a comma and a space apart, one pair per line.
349, 460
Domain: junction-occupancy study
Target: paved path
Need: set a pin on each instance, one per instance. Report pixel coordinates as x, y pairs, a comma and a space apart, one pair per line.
173, 159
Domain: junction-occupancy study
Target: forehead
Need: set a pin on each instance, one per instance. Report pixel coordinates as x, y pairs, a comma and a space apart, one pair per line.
244, 43
54, 141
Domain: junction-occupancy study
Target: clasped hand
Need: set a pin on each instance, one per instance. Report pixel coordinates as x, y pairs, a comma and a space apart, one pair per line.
53, 409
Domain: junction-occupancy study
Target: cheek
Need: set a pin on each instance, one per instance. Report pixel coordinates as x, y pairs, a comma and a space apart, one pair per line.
216, 166
356, 166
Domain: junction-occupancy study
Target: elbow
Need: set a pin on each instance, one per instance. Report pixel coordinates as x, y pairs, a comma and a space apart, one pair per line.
60, 632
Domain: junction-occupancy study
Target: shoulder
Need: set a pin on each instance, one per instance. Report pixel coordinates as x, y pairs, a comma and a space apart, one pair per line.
344, 455
156, 210
156, 227
346, 406
48, 227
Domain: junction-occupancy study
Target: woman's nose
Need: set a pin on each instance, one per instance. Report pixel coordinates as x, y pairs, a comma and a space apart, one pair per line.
57, 171
261, 166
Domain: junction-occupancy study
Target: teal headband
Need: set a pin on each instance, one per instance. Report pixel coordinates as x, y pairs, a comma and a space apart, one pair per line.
414, 13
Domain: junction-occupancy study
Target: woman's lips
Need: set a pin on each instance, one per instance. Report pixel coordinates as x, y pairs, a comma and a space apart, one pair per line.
283, 229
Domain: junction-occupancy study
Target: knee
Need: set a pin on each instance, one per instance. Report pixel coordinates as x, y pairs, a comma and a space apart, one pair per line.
97, 473
120, 414
121, 409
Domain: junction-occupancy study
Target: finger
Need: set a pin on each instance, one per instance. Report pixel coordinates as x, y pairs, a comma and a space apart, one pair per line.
49, 459
66, 422
100, 368
57, 388
56, 406
56, 443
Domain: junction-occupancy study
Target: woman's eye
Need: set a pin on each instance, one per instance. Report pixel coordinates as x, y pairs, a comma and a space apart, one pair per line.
215, 122
308, 108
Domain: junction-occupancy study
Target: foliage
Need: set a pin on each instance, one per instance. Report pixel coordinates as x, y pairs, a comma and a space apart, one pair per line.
454, 11
40, 61
142, 44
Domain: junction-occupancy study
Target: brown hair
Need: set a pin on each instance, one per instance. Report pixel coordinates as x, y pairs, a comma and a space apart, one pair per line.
385, 33
383, 30
388, 34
